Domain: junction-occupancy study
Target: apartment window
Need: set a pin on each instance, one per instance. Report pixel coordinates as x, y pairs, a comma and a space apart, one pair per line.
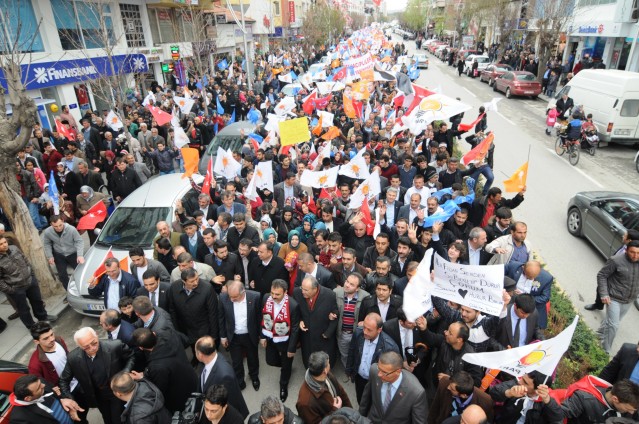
132, 22
83, 24
19, 27
162, 26
276, 8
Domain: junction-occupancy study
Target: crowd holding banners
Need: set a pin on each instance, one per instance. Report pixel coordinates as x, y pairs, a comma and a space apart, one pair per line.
323, 173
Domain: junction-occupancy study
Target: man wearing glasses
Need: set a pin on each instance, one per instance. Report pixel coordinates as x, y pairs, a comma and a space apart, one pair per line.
393, 395
93, 363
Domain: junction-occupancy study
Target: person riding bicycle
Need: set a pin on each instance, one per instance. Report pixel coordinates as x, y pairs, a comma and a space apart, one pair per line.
573, 132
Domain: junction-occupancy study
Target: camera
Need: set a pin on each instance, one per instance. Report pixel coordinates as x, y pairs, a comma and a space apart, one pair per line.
415, 353
192, 412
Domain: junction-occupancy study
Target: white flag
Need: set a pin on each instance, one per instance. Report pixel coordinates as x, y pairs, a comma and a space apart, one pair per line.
368, 189
356, 167
180, 139
251, 190
319, 179
327, 118
263, 175
378, 226
184, 104
149, 100
285, 105
541, 356
325, 152
417, 294
226, 165
114, 121
324, 87
306, 80
285, 78
492, 105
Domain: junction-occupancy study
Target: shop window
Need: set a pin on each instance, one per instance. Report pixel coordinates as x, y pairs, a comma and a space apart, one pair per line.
19, 27
83, 24
132, 21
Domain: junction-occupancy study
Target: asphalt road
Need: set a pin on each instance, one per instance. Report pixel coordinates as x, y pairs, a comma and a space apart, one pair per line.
519, 125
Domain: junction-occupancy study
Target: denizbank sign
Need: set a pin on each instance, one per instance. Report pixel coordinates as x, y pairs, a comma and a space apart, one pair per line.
49, 74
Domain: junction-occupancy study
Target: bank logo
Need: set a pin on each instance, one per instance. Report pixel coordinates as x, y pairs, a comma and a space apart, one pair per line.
138, 63
41, 75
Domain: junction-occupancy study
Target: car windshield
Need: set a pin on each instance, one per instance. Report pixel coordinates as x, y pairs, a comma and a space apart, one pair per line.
526, 77
481, 59
132, 227
234, 142
503, 68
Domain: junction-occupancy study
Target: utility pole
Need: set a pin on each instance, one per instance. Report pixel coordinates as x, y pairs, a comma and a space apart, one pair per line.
247, 54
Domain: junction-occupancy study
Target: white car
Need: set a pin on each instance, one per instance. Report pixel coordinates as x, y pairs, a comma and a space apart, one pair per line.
422, 60
482, 62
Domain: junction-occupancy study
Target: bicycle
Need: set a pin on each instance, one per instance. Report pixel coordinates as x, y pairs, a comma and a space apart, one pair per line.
573, 147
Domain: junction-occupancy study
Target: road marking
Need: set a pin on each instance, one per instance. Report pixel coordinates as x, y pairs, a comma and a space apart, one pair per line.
597, 183
506, 119
469, 92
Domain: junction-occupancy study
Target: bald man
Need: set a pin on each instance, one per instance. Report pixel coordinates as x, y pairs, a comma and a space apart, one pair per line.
532, 279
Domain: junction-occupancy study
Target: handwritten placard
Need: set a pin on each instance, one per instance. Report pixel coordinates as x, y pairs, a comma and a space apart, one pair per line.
476, 286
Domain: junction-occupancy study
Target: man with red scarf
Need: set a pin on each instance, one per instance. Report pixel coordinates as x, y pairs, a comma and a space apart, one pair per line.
279, 333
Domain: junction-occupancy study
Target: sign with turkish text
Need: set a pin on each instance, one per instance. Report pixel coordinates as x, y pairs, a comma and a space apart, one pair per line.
361, 63
291, 11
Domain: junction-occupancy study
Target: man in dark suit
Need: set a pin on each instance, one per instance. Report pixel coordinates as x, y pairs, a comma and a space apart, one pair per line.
331, 222
241, 230
157, 319
213, 369
229, 204
91, 135
240, 329
127, 284
367, 344
116, 328
415, 206
26, 410
167, 368
623, 365
532, 279
140, 264
193, 306
389, 208
395, 182
346, 267
519, 327
265, 268
88, 177
154, 289
93, 363
287, 189
204, 205
410, 341
383, 302
389, 400
318, 318
209, 237
245, 254
280, 331
191, 240
226, 264
381, 248
477, 255
454, 395
307, 266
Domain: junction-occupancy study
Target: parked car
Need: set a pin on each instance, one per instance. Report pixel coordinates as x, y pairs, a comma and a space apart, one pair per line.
409, 35
230, 137
422, 60
432, 47
494, 71
518, 83
465, 53
9, 373
482, 63
132, 224
602, 217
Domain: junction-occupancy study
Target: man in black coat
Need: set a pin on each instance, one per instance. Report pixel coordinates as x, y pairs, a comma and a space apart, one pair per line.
307, 266
241, 334
383, 302
622, 365
241, 230
93, 363
483, 208
406, 334
191, 240
354, 234
265, 268
193, 306
26, 410
318, 318
154, 289
520, 326
224, 262
124, 180
127, 284
167, 368
213, 369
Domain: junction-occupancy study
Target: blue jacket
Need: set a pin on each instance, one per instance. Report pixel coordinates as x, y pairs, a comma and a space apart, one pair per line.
540, 293
384, 344
129, 286
574, 129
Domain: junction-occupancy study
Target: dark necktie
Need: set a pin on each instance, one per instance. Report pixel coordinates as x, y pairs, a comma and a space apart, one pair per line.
109, 335
517, 332
153, 298
387, 398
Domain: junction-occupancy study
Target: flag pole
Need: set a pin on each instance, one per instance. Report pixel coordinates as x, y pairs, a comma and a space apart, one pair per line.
528, 159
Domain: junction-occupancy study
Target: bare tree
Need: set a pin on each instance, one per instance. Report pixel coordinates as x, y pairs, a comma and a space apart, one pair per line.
551, 19
15, 130
326, 24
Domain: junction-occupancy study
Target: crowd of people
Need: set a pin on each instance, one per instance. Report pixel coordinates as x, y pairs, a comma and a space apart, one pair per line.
299, 270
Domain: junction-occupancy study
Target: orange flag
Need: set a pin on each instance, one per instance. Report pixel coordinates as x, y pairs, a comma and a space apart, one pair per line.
317, 130
517, 181
191, 158
332, 133
124, 264
479, 152
349, 109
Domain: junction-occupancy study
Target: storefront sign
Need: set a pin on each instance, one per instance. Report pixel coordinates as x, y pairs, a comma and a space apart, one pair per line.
49, 74
291, 11
590, 29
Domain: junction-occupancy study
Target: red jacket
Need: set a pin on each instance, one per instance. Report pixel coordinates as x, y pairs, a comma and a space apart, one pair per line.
51, 160
40, 365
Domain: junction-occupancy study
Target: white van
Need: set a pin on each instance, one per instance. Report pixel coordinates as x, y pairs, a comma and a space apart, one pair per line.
612, 96
132, 224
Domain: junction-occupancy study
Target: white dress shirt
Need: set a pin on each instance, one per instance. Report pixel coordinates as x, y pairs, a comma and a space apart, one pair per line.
241, 316
367, 357
383, 308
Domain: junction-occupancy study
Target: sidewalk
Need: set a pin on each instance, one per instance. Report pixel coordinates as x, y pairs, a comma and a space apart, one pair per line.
16, 337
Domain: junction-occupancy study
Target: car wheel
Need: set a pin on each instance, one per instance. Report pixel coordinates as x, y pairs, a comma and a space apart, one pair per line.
533, 97
508, 95
491, 82
574, 222
495, 86
637, 163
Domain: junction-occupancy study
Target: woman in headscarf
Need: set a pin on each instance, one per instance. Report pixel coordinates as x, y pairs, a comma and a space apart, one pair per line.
294, 245
283, 223
290, 263
305, 230
271, 236
67, 182
86, 200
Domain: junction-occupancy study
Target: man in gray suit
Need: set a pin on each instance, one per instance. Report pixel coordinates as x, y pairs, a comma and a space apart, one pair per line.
412, 210
287, 189
140, 264
393, 395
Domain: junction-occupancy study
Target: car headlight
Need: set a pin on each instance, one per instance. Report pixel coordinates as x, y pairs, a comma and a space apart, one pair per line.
72, 288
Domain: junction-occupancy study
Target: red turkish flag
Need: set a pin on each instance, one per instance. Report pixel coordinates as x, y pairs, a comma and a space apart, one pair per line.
102, 269
358, 106
66, 132
206, 185
322, 102
308, 104
420, 93
466, 127
94, 216
480, 151
324, 194
160, 116
370, 224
